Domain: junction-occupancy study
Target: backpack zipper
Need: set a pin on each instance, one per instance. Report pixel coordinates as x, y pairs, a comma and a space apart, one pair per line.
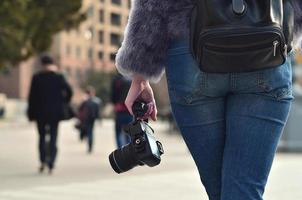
275, 45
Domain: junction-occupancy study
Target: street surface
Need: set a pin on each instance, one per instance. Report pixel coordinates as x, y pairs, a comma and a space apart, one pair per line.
79, 176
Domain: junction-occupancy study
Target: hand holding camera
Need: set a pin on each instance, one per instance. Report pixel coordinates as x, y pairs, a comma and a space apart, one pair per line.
141, 90
143, 149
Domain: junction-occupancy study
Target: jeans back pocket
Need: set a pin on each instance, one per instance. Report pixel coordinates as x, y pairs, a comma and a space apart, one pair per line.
277, 82
185, 80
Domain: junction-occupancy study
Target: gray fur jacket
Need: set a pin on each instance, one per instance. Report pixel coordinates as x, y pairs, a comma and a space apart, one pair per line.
152, 25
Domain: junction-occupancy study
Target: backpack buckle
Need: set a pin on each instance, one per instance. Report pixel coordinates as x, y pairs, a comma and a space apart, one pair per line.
239, 7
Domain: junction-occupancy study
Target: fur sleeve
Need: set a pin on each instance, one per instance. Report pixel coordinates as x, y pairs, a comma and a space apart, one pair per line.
143, 50
297, 5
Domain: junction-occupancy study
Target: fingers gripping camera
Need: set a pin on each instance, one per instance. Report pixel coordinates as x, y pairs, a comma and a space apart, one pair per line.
143, 149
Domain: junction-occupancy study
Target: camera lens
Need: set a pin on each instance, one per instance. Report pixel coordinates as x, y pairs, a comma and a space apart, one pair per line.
122, 160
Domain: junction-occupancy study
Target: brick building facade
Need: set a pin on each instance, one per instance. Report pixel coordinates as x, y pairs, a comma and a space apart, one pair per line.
91, 47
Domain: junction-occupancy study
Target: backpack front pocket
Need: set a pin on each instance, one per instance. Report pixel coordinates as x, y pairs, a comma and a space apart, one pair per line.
243, 51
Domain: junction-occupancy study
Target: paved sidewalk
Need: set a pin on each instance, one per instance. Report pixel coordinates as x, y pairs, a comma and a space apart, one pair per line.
80, 176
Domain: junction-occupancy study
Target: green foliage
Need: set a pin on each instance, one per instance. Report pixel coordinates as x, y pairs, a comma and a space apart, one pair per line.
28, 26
101, 81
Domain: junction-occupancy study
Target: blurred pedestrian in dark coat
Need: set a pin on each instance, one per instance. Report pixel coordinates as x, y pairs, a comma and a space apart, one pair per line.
49, 94
89, 111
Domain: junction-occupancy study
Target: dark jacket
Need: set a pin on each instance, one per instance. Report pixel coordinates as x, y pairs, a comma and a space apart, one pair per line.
49, 93
152, 25
119, 90
89, 110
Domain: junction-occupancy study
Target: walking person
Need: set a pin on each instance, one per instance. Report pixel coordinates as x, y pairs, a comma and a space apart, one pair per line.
88, 113
49, 93
229, 81
119, 89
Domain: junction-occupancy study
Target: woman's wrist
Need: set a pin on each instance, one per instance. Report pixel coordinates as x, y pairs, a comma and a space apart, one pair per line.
139, 79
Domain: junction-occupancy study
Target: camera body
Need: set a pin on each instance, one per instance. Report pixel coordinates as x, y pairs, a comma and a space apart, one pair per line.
143, 149
145, 146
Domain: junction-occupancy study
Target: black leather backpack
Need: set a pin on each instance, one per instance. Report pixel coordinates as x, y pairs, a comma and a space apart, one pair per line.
241, 35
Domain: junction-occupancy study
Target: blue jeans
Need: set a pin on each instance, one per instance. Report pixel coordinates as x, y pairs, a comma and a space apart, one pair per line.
89, 134
122, 119
231, 122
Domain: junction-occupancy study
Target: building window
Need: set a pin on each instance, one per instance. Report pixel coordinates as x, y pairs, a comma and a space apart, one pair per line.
101, 37
115, 39
116, 19
116, 2
78, 74
68, 71
112, 57
89, 53
101, 55
102, 16
90, 12
68, 50
78, 52
91, 29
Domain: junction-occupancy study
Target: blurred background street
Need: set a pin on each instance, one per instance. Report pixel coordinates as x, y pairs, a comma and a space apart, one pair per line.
82, 176
82, 38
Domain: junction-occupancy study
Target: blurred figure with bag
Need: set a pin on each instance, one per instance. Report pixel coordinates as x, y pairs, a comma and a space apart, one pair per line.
49, 98
88, 112
119, 88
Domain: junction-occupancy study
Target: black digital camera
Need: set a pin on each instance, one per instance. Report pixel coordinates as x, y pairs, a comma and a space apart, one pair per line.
143, 148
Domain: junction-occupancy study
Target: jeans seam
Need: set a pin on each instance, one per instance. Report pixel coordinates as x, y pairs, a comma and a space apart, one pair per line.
204, 78
233, 81
203, 124
262, 83
260, 80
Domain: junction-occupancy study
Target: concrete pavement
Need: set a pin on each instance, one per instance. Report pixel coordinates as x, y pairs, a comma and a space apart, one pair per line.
80, 176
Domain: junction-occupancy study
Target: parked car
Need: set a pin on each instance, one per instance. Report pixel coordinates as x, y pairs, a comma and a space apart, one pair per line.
2, 104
